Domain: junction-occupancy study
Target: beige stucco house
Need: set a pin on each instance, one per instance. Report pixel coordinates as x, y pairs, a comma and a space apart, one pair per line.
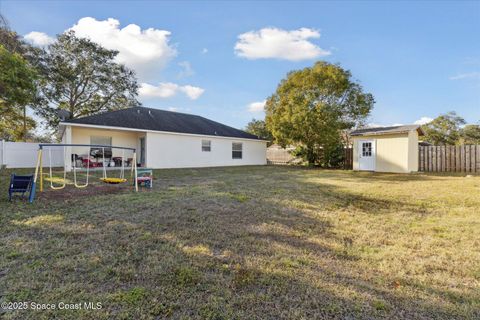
386, 149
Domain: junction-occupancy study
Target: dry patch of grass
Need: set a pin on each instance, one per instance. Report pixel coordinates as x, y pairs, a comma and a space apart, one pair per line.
249, 243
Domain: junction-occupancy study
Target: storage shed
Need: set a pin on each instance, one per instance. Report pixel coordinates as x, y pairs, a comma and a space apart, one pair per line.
386, 149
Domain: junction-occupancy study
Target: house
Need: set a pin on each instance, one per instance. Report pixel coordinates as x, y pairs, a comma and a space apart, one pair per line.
386, 149
165, 139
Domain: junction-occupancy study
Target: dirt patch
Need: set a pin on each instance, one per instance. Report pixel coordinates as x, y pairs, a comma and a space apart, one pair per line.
71, 192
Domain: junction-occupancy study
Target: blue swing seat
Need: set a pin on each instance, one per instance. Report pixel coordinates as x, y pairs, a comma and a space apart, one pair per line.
21, 184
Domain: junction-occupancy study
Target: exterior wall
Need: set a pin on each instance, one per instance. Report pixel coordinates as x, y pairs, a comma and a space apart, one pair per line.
413, 151
120, 138
183, 151
393, 152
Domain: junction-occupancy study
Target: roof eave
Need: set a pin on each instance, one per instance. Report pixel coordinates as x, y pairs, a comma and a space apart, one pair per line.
376, 133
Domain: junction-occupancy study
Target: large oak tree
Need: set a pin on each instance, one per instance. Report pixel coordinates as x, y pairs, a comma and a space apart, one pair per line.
313, 106
83, 78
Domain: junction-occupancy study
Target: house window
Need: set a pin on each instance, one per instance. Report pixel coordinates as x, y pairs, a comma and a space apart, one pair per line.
104, 141
206, 145
236, 150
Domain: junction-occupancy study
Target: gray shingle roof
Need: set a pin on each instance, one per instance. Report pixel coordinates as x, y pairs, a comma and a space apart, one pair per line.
387, 130
161, 120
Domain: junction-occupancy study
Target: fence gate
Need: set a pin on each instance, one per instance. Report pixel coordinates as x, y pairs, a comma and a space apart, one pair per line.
464, 158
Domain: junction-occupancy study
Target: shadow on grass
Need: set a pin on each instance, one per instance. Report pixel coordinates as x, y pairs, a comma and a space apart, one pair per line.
205, 245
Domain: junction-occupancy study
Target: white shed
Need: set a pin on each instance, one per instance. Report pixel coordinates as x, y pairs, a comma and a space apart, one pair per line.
386, 149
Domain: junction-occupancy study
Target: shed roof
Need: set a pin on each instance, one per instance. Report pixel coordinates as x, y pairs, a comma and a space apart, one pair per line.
388, 130
161, 120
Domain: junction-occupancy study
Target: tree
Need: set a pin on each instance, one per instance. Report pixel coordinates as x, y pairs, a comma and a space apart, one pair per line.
259, 128
311, 108
10, 39
471, 134
18, 84
81, 77
17, 90
444, 129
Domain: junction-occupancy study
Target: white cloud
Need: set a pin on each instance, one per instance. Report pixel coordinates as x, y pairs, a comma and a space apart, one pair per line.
191, 91
163, 90
187, 70
256, 106
276, 43
204, 50
423, 120
146, 51
39, 39
168, 89
172, 109
470, 75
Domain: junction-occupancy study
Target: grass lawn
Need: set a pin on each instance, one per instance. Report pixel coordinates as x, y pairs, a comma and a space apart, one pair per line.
249, 243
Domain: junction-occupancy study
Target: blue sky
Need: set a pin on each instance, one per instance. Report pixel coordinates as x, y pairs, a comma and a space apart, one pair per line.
418, 59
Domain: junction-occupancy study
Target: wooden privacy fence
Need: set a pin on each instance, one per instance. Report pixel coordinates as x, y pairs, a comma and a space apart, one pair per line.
348, 161
449, 158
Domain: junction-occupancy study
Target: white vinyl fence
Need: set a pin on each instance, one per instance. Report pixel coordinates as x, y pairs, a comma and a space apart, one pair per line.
24, 155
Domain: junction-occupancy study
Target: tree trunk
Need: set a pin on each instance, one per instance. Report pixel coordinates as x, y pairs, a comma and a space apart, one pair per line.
24, 133
311, 156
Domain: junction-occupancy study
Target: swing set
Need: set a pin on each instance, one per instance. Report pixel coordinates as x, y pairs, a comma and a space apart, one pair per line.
39, 175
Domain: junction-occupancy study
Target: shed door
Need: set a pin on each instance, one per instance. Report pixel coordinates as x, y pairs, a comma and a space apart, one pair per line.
366, 155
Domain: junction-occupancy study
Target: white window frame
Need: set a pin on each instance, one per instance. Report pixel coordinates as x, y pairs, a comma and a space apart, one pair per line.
236, 149
206, 145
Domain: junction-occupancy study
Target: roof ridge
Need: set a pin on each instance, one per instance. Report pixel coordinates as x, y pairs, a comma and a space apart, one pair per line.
101, 113
169, 111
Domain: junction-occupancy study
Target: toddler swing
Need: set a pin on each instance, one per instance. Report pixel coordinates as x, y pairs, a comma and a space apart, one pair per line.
64, 171
75, 175
122, 171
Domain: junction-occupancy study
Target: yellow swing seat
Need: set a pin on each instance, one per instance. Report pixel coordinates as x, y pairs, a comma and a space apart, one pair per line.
113, 180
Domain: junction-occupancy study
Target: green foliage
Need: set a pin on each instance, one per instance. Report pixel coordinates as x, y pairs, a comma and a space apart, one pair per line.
330, 156
444, 129
11, 41
17, 90
82, 77
17, 80
186, 276
333, 156
133, 297
259, 128
471, 134
311, 107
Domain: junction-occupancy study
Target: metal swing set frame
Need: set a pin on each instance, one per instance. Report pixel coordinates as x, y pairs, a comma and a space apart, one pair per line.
39, 167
